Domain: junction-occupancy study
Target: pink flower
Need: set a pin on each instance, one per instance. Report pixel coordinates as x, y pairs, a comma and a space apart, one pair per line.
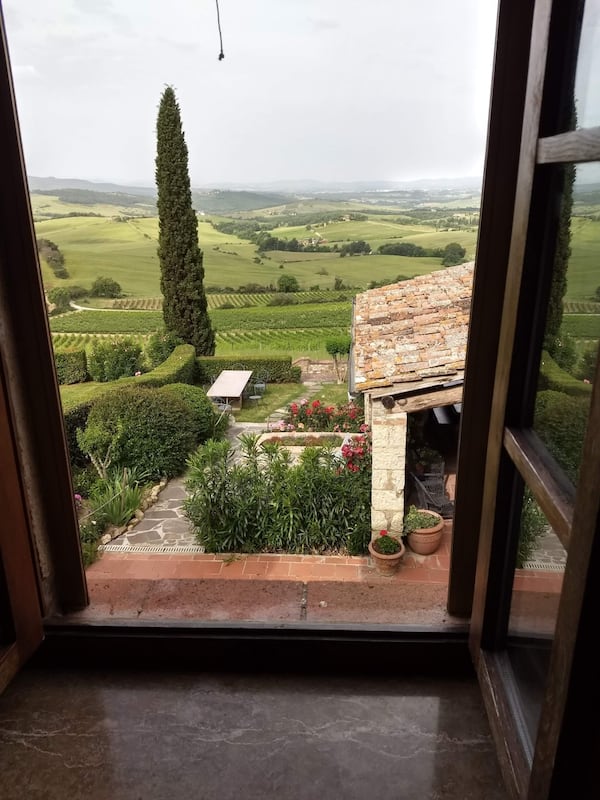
304, 401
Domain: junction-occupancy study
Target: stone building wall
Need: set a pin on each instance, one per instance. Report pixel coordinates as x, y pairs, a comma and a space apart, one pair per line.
316, 371
389, 429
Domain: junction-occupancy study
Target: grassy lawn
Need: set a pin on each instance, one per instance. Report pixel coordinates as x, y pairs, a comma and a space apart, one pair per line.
277, 395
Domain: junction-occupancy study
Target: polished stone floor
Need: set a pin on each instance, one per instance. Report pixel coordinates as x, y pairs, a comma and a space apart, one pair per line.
173, 736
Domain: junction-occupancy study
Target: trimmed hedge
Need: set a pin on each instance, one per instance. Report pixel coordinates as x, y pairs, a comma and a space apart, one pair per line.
279, 370
71, 365
152, 431
556, 379
180, 367
203, 409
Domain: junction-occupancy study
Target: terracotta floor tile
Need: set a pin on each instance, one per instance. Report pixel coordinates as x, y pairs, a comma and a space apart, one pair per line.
347, 572
314, 571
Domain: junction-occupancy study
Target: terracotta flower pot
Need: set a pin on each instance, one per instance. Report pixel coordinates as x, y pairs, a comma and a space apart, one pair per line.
425, 541
387, 564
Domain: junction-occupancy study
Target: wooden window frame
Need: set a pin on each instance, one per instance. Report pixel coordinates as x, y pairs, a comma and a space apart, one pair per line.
559, 762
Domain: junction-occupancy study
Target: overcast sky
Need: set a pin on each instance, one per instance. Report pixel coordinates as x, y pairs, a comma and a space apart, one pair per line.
308, 89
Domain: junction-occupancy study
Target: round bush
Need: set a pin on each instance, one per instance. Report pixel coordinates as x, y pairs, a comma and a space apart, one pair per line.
200, 405
147, 429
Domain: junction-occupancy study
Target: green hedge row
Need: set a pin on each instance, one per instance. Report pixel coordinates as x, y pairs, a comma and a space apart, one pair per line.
554, 378
275, 370
71, 366
180, 367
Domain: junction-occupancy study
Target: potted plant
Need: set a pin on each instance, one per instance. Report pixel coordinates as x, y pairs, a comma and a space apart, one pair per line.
386, 552
423, 530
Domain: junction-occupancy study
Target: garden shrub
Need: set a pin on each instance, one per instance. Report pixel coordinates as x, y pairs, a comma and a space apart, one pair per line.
203, 409
560, 421
316, 416
71, 365
151, 430
114, 358
533, 524
160, 346
76, 418
265, 504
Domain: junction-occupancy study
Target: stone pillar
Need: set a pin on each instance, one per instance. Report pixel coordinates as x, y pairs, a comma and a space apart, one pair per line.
388, 472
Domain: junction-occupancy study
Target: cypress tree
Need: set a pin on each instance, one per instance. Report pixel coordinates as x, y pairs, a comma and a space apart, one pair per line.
185, 310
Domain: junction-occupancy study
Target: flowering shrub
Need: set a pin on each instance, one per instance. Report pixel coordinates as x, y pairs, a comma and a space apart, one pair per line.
357, 454
266, 504
317, 416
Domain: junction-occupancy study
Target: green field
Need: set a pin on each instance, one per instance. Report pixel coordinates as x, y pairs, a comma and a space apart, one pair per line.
46, 206
125, 250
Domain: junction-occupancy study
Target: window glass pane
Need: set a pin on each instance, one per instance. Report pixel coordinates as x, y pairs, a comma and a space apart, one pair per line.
572, 323
587, 80
536, 593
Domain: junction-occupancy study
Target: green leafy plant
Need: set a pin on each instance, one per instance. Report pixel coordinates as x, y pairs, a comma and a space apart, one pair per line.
416, 519
533, 524
386, 545
264, 503
115, 500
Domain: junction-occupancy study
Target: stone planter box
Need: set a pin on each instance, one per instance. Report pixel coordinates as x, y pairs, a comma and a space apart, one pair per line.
285, 436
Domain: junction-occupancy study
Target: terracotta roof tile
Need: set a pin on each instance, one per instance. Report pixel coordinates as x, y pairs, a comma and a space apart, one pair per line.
414, 329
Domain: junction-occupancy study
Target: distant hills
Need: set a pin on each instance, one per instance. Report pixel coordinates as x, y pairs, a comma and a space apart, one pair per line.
232, 198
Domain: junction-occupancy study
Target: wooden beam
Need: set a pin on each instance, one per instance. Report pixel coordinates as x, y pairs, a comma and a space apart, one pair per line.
580, 146
422, 402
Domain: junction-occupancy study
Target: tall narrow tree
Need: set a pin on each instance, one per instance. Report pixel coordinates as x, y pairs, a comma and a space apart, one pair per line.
185, 309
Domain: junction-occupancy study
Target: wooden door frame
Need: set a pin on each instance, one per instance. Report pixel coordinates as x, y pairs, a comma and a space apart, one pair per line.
33, 398
21, 609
